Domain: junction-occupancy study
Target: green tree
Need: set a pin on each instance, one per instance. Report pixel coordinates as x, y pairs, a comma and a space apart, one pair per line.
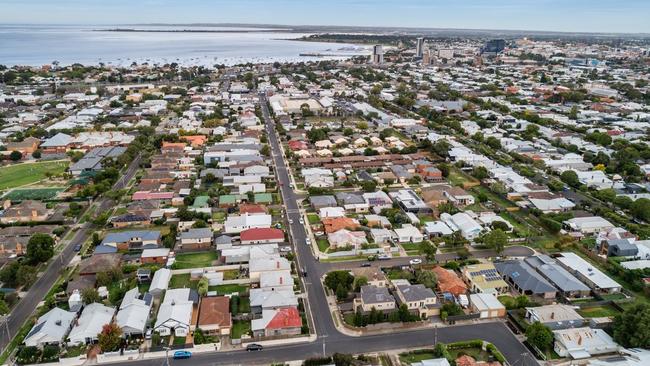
571, 178
632, 327
496, 239
90, 295
40, 248
641, 209
4, 308
110, 338
441, 148
334, 278
429, 250
358, 282
341, 292
404, 314
539, 335
427, 278
369, 186
480, 172
203, 285
15, 155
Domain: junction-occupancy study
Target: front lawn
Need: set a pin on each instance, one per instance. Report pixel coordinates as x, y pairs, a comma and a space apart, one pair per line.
323, 244
195, 260
313, 219
411, 248
239, 328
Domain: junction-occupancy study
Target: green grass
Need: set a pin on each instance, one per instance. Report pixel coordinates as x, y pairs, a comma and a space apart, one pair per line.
230, 274
33, 193
458, 178
411, 247
228, 289
244, 305
219, 216
178, 341
27, 173
182, 281
323, 244
195, 260
598, 311
477, 353
410, 358
239, 328
313, 219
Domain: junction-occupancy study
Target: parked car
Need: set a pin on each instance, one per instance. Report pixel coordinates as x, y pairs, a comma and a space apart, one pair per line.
415, 261
365, 264
254, 347
384, 257
285, 249
291, 221
308, 241
179, 355
77, 248
302, 221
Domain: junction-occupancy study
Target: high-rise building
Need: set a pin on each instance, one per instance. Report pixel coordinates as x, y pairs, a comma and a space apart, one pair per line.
419, 47
378, 54
494, 46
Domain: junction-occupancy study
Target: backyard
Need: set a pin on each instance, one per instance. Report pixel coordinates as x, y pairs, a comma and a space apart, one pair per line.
228, 289
600, 311
239, 328
27, 173
195, 260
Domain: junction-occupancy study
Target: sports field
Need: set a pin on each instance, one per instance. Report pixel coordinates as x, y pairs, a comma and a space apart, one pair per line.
18, 175
33, 193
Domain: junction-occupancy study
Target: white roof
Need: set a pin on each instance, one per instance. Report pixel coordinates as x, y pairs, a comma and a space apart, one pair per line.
276, 279
268, 264
51, 327
581, 342
90, 323
156, 252
485, 301
160, 279
573, 262
270, 298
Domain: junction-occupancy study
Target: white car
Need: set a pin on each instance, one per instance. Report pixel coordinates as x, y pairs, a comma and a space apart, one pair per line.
302, 221
308, 241
285, 249
291, 221
415, 261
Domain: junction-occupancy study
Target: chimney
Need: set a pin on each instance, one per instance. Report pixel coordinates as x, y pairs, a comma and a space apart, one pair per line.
579, 340
553, 315
277, 264
281, 280
34, 213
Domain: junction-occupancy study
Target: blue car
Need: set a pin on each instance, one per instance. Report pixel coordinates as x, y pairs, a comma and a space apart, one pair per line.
179, 355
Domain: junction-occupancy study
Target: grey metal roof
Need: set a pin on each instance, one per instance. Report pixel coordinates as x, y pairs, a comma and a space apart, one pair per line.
558, 276
524, 276
322, 201
348, 198
196, 233
415, 292
374, 295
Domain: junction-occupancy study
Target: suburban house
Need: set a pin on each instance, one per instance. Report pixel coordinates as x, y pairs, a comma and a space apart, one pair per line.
271, 298
346, 238
484, 278
284, 321
333, 224
134, 311
449, 282
25, 211
587, 273
237, 224
525, 280
261, 236
556, 316
588, 225
175, 312
408, 234
566, 283
580, 343
487, 305
374, 297
50, 328
374, 276
93, 318
160, 281
135, 239
196, 239
463, 222
214, 315
154, 256
257, 266
419, 299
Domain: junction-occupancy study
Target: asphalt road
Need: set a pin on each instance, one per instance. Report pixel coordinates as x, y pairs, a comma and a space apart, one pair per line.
24, 309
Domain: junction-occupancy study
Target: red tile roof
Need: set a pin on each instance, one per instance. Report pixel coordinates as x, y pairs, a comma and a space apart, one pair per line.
285, 318
262, 234
215, 310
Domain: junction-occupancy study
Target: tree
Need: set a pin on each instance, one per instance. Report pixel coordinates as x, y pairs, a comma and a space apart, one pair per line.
441, 148
40, 248
641, 209
4, 308
493, 142
404, 314
429, 250
480, 172
110, 338
334, 278
25, 276
36, 154
369, 186
496, 239
426, 278
90, 295
539, 335
555, 185
341, 292
360, 281
571, 178
451, 308
15, 155
203, 285
631, 328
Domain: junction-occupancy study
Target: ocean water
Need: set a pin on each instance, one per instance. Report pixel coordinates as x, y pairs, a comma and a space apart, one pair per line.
91, 45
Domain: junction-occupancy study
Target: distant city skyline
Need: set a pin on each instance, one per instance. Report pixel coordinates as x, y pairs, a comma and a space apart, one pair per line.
623, 16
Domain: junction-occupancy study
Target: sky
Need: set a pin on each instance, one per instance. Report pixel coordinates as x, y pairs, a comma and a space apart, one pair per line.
624, 16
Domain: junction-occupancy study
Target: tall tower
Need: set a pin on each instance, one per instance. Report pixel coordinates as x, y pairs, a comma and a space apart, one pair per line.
377, 54
419, 47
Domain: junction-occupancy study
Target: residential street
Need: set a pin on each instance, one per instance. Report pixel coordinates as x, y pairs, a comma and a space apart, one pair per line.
23, 310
